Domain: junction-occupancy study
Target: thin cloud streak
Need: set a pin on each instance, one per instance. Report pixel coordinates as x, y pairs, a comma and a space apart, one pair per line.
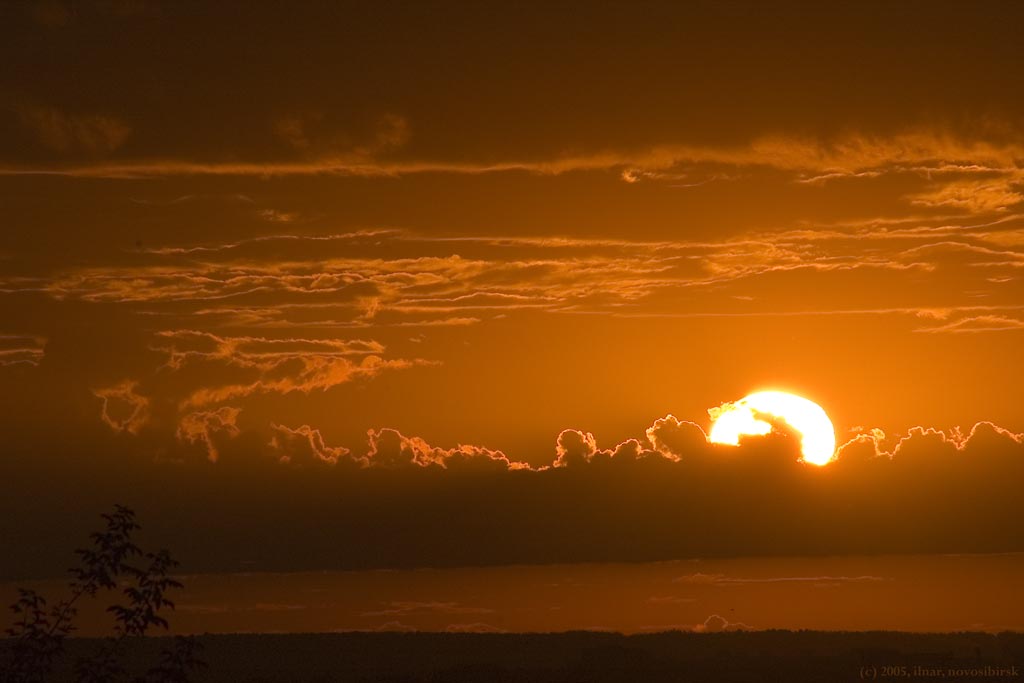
564, 275
927, 151
21, 350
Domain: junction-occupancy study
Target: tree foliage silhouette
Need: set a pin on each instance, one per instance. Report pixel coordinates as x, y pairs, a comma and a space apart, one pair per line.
36, 640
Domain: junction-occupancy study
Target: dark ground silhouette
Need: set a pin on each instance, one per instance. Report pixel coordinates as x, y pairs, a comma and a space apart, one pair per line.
793, 657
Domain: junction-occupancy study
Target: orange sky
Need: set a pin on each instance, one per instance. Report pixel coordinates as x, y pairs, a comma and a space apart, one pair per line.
261, 235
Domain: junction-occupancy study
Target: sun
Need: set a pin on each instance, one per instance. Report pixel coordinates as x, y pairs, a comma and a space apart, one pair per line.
744, 418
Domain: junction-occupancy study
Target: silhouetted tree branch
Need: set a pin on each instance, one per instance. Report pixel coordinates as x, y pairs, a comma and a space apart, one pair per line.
37, 637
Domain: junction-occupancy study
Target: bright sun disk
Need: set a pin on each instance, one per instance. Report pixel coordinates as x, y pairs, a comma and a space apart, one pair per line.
744, 418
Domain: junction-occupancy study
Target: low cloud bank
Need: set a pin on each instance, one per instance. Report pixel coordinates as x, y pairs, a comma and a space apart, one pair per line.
400, 501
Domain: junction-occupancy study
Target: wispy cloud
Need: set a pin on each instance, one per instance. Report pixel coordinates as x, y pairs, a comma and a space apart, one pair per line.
401, 608
724, 580
977, 324
203, 427
921, 151
61, 131
123, 408
357, 280
306, 445
18, 350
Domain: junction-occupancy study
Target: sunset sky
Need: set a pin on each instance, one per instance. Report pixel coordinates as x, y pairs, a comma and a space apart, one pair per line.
260, 251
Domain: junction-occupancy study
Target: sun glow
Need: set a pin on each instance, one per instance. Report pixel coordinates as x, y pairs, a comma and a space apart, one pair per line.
752, 416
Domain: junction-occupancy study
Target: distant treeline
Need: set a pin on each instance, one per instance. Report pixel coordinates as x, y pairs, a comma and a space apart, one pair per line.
793, 657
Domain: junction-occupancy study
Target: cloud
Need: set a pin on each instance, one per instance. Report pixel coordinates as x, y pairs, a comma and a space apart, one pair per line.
426, 607
396, 626
62, 132
264, 353
276, 216
355, 237
924, 152
630, 450
306, 445
365, 280
21, 350
977, 324
670, 600
573, 447
925, 446
974, 196
669, 440
719, 624
676, 438
389, 449
723, 580
988, 440
699, 577
202, 427
862, 448
123, 409
940, 492
201, 372
928, 446
315, 132
280, 366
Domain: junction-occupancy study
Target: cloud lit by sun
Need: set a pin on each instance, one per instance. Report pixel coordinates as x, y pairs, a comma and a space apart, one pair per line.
759, 413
